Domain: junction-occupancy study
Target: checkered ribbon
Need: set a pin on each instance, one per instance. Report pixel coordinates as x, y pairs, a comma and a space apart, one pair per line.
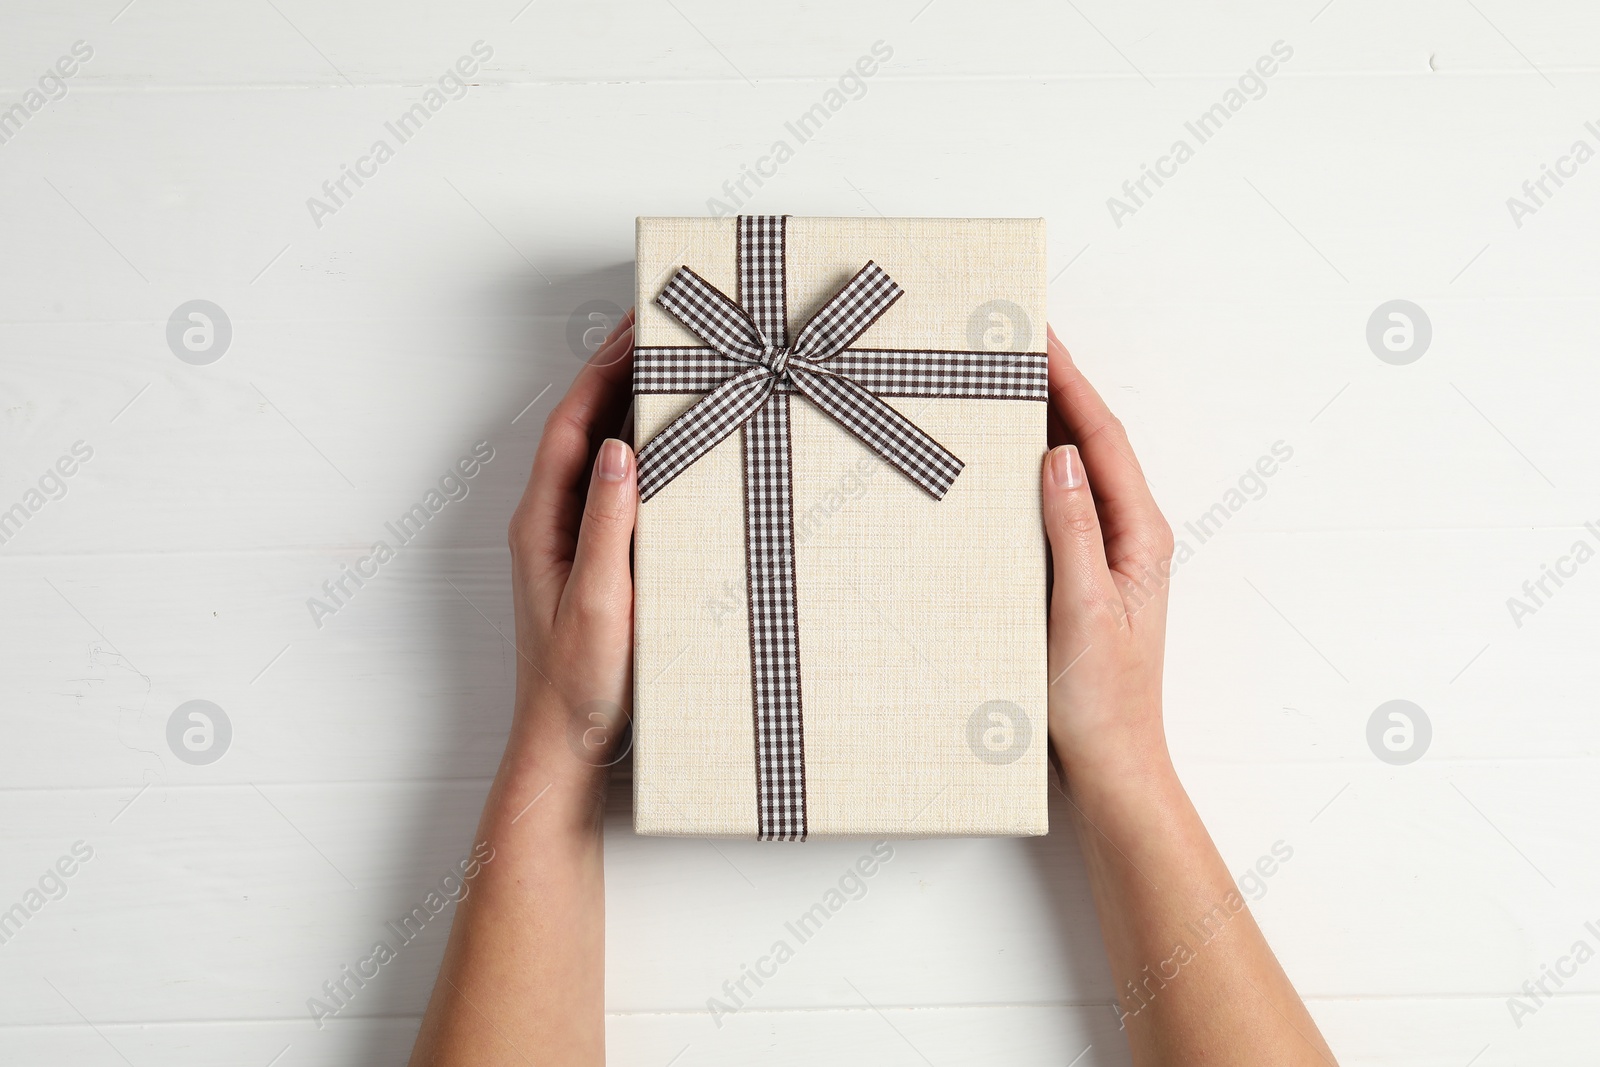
748, 374
731, 331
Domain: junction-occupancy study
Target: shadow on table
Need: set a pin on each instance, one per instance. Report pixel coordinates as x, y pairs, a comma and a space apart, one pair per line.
465, 569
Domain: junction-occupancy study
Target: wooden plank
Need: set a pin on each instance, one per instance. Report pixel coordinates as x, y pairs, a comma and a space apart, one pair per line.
1226, 312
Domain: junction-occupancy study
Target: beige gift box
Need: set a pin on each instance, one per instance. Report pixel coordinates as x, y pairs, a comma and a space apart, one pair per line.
920, 621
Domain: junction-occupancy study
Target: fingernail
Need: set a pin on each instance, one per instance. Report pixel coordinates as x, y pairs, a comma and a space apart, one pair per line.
613, 463
1065, 467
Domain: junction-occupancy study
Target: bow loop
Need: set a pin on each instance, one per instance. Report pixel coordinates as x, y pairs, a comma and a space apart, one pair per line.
713, 316
848, 313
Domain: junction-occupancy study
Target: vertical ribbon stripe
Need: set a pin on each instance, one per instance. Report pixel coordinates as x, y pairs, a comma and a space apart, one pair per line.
769, 550
763, 288
774, 625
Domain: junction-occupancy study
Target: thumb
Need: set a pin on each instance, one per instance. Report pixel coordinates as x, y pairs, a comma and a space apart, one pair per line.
1083, 584
600, 584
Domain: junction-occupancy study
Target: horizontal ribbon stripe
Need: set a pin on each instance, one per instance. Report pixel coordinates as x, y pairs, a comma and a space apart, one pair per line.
886, 372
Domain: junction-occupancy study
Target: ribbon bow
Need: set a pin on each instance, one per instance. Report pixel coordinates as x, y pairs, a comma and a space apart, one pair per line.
803, 367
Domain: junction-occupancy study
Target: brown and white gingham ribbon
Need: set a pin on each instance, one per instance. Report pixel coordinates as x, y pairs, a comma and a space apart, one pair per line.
732, 333
748, 374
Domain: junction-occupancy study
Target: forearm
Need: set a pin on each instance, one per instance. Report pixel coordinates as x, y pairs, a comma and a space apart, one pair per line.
1195, 979
523, 976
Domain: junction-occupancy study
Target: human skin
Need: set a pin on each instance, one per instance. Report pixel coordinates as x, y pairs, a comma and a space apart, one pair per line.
522, 980
1155, 872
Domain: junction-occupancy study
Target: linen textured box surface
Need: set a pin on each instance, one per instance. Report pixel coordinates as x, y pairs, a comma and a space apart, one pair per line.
839, 558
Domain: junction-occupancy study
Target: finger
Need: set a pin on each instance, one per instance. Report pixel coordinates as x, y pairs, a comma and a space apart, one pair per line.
1133, 525
600, 586
547, 518
1082, 587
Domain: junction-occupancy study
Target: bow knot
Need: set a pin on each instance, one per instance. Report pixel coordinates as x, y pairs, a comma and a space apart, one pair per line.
776, 358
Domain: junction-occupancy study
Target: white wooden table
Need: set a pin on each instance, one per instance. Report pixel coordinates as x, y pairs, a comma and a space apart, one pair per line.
375, 339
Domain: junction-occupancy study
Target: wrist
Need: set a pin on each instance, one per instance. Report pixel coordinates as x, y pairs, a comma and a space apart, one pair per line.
550, 775
1123, 779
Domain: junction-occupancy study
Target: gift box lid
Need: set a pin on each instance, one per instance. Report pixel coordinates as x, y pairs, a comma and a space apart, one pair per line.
840, 562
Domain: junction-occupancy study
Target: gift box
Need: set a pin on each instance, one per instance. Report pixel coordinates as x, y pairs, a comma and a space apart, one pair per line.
840, 560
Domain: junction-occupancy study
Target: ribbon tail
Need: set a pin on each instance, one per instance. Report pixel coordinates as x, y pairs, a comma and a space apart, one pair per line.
895, 438
700, 429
